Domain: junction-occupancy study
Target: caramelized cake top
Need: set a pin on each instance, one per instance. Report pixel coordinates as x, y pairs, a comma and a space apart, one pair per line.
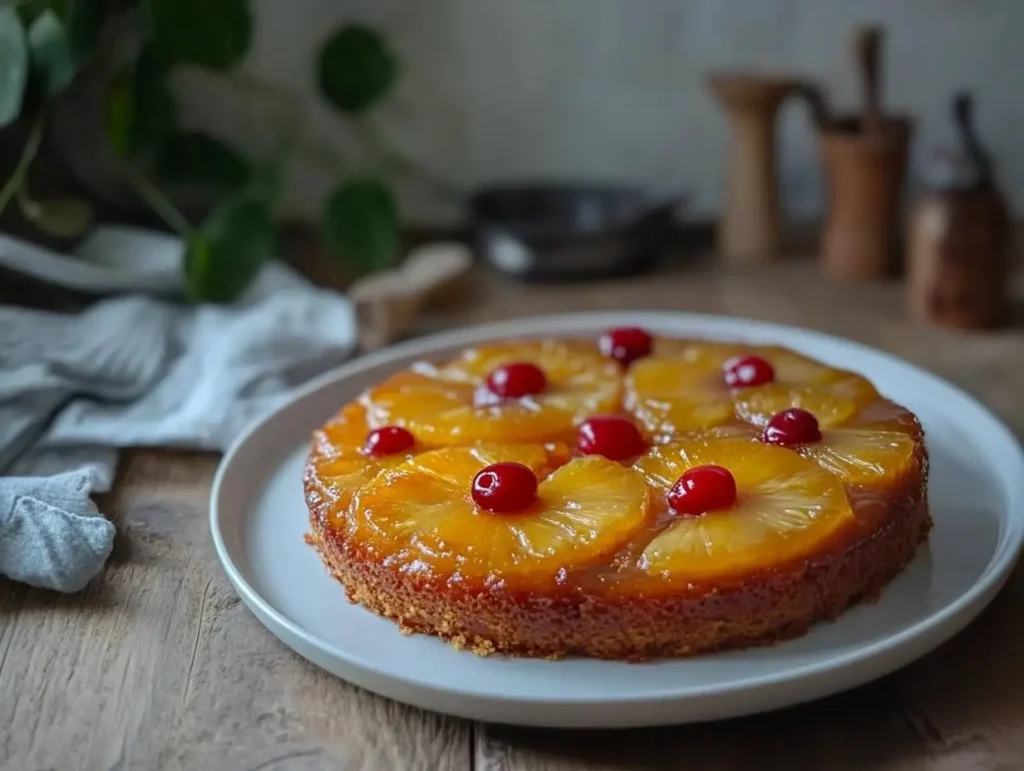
624, 464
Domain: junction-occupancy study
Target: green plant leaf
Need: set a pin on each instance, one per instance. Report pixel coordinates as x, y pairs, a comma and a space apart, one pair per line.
199, 159
356, 68
360, 224
61, 35
207, 33
50, 52
63, 218
224, 256
119, 112
29, 10
139, 110
13, 65
85, 19
157, 114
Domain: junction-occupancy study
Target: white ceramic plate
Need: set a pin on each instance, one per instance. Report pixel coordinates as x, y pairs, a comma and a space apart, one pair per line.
258, 519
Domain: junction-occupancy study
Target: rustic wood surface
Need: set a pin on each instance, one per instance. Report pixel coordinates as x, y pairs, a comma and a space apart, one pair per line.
157, 664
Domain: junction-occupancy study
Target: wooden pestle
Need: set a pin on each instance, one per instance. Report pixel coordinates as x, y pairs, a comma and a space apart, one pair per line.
867, 45
817, 101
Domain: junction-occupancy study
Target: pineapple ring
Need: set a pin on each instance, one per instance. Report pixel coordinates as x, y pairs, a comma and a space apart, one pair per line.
862, 456
787, 507
451, 404
833, 400
423, 512
682, 389
337, 464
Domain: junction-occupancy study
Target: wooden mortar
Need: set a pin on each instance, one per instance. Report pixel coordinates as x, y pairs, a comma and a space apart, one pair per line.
864, 175
865, 164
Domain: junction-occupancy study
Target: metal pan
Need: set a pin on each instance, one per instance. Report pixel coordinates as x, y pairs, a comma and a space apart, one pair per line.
564, 231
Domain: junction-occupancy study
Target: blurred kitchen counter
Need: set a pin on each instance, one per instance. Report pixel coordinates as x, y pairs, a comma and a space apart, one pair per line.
158, 665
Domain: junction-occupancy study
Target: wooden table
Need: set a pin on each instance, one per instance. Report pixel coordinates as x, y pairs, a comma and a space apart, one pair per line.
158, 665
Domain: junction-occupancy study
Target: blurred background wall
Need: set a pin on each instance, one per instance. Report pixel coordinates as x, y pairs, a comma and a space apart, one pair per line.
497, 89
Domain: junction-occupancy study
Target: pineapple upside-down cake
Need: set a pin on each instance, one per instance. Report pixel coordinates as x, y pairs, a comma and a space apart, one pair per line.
625, 497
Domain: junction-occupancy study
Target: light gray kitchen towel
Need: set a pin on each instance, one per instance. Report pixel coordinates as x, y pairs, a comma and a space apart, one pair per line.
138, 371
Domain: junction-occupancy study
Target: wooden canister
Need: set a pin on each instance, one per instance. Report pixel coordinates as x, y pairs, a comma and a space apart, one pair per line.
959, 237
865, 173
957, 259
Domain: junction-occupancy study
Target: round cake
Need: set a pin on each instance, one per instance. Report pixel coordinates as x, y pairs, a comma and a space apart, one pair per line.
624, 497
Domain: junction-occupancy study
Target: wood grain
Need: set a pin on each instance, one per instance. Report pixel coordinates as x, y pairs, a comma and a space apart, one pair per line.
157, 665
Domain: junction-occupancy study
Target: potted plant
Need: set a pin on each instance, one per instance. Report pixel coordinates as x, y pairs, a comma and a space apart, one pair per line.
107, 63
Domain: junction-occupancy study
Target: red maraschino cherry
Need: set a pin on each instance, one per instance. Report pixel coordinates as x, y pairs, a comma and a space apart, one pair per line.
505, 488
517, 379
747, 371
792, 426
703, 489
626, 344
388, 441
614, 437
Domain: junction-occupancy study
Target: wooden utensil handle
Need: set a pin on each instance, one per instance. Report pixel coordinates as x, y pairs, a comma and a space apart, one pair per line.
867, 43
963, 119
816, 100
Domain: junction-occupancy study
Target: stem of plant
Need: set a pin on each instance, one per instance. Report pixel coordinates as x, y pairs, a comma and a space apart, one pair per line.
290, 119
28, 154
322, 155
289, 101
293, 122
160, 203
291, 113
401, 162
25, 202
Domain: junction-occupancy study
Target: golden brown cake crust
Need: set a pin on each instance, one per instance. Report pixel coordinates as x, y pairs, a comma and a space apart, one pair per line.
601, 619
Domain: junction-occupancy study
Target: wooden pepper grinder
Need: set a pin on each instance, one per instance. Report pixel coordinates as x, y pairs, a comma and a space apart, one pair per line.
749, 231
865, 159
959, 236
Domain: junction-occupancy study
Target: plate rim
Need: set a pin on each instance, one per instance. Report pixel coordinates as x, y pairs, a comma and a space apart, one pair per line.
928, 633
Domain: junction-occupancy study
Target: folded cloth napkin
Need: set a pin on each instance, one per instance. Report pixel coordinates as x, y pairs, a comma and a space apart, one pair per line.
138, 371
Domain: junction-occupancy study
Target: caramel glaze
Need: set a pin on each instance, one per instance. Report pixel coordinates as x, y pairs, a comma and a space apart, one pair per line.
621, 571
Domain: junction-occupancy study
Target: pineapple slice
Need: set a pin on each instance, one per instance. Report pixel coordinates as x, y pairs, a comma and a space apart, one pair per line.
451, 404
786, 507
833, 398
862, 456
792, 367
833, 395
337, 464
424, 513
682, 388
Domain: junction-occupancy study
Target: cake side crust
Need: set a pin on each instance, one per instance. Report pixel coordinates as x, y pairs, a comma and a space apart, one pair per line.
761, 612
